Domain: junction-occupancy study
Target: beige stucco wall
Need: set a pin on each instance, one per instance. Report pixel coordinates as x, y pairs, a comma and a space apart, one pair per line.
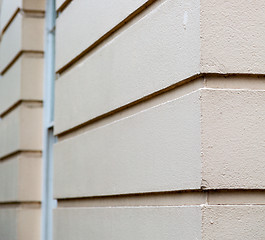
159, 117
20, 179
128, 223
22, 81
21, 69
159, 103
20, 223
24, 34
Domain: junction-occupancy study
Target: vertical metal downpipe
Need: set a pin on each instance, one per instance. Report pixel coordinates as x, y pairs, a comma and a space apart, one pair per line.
48, 117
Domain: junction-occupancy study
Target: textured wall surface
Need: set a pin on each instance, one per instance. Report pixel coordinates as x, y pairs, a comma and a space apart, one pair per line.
153, 150
21, 79
233, 143
159, 103
232, 36
129, 223
233, 222
24, 34
154, 52
20, 223
20, 179
159, 119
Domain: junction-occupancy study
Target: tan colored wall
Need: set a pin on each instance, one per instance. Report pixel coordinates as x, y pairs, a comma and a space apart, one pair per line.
20, 223
159, 113
21, 80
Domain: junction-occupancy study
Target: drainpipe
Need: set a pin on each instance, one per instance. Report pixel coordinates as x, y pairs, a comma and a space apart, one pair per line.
48, 203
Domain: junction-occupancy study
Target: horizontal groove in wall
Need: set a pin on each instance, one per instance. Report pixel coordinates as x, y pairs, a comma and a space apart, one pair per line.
199, 81
32, 13
19, 54
147, 199
178, 198
63, 6
236, 197
29, 103
26, 13
10, 21
129, 20
23, 205
25, 153
130, 105
235, 81
229, 75
106, 36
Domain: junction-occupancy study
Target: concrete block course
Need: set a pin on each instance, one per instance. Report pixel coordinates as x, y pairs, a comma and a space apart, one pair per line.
20, 130
147, 223
24, 34
20, 179
22, 82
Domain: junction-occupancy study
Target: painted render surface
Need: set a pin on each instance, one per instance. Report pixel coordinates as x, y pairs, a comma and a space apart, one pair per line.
216, 133
233, 143
129, 163
231, 32
146, 223
25, 33
20, 179
188, 38
22, 29
8, 9
154, 150
59, 3
133, 68
232, 36
190, 131
93, 21
233, 222
193, 222
19, 130
19, 223
22, 82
